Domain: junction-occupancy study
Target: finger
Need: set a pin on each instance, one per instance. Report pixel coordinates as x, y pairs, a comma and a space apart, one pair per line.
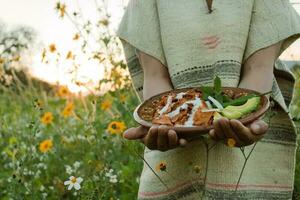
213, 135
259, 127
218, 130
173, 139
242, 132
228, 131
135, 133
182, 142
162, 138
151, 139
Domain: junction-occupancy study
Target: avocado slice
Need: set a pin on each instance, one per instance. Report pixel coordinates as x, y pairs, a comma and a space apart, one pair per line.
236, 112
231, 114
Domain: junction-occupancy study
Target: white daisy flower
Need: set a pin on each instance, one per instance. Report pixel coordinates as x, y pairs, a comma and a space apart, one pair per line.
73, 182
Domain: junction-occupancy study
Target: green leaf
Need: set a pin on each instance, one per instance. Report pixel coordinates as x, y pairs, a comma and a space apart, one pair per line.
207, 91
217, 85
239, 101
220, 98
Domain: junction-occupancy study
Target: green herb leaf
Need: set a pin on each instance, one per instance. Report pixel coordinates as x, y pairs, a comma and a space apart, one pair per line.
207, 91
217, 85
220, 98
239, 101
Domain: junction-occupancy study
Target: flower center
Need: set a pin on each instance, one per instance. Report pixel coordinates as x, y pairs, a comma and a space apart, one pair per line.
114, 126
73, 180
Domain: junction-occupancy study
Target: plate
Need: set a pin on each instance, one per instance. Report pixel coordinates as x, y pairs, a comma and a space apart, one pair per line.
143, 114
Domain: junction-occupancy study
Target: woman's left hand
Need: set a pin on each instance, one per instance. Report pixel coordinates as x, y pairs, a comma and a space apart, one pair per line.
234, 133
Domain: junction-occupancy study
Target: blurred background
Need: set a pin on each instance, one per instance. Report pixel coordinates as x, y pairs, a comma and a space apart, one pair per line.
65, 99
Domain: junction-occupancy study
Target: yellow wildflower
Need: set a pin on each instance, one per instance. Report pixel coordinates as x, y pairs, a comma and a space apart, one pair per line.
47, 118
52, 48
70, 55
76, 36
116, 127
231, 142
46, 145
61, 8
68, 110
106, 104
63, 91
162, 166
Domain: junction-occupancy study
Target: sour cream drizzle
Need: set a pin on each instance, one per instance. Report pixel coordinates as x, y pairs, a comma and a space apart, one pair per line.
197, 103
165, 108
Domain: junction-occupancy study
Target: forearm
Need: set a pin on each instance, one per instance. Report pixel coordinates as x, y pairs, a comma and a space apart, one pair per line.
156, 76
257, 72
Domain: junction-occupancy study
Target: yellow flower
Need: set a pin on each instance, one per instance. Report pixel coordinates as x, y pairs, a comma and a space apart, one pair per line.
63, 91
76, 36
116, 127
68, 110
2, 60
46, 145
61, 8
231, 142
47, 118
106, 104
162, 166
70, 55
52, 48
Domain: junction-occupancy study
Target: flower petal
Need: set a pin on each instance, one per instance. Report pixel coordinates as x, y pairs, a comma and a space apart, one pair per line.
77, 186
79, 180
67, 182
70, 186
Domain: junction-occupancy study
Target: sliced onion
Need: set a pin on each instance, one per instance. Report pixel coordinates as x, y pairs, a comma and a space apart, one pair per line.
208, 104
211, 110
215, 102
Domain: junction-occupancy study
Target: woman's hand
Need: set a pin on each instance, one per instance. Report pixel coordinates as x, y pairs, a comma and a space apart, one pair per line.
156, 138
225, 129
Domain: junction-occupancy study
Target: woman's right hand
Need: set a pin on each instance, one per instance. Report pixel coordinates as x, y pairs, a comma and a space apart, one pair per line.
158, 137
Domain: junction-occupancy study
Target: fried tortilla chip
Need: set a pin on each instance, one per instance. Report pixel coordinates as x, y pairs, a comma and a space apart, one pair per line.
203, 118
163, 120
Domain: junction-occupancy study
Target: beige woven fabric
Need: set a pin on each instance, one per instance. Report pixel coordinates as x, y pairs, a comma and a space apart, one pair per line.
195, 46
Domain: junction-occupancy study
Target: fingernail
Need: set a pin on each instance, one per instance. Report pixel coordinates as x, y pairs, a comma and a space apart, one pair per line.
255, 126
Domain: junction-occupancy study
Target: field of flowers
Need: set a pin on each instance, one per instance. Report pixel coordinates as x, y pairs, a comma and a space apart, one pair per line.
50, 138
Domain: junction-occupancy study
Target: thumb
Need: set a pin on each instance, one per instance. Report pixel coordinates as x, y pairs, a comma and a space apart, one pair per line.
259, 127
135, 133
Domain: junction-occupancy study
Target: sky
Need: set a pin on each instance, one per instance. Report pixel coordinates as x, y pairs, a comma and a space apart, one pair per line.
41, 15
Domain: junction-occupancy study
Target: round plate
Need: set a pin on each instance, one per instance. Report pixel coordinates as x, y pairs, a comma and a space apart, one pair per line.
144, 112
